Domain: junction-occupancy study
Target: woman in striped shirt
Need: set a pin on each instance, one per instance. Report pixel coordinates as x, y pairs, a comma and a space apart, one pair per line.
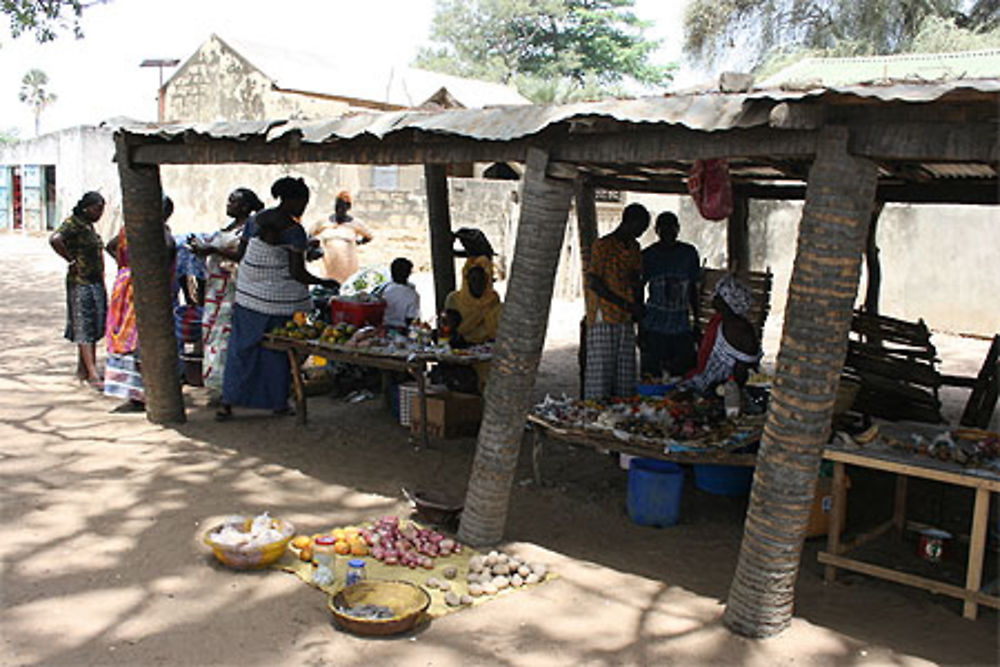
271, 285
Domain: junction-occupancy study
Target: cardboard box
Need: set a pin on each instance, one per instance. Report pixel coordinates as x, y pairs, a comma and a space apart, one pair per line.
449, 414
822, 505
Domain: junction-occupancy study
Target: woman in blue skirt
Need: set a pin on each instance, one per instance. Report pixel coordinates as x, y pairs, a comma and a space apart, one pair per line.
271, 285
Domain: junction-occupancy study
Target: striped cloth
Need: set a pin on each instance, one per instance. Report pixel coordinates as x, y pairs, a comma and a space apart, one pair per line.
265, 284
611, 368
720, 365
123, 377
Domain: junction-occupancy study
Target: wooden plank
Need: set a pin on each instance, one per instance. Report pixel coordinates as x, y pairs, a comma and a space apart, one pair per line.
940, 587
297, 386
869, 535
609, 442
899, 503
738, 237
927, 142
837, 517
649, 146
977, 550
869, 461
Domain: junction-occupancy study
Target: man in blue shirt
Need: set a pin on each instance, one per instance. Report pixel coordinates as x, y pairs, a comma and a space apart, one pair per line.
672, 271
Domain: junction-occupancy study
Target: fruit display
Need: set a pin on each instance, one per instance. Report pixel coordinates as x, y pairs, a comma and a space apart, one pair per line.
300, 327
337, 334
346, 542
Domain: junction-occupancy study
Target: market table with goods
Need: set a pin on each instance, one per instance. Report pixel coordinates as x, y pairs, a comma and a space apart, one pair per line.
382, 576
674, 427
962, 457
369, 346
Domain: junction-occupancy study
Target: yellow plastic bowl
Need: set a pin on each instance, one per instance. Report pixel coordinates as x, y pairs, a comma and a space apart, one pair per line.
251, 558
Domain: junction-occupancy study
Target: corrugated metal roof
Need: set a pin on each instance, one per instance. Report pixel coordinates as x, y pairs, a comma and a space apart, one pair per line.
907, 66
703, 112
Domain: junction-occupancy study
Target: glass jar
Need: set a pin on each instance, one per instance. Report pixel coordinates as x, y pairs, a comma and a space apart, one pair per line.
323, 550
355, 572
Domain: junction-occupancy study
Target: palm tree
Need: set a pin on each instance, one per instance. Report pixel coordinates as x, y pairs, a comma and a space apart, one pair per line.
34, 94
517, 351
839, 200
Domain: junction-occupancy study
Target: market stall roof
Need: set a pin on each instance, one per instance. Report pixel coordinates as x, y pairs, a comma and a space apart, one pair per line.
943, 133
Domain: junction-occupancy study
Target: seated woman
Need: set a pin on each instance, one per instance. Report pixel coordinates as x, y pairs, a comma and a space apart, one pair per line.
474, 314
271, 285
730, 347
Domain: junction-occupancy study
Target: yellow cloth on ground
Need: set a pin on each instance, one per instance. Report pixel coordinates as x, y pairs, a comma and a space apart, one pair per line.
377, 570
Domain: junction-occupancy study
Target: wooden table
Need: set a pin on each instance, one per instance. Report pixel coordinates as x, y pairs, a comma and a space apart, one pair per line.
905, 466
414, 363
643, 447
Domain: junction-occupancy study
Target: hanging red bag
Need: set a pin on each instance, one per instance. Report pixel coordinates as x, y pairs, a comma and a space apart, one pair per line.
711, 189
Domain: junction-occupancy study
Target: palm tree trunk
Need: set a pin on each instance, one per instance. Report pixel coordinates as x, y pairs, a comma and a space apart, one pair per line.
517, 351
839, 200
142, 208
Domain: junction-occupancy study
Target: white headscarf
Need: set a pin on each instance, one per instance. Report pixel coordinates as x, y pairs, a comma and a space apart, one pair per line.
735, 293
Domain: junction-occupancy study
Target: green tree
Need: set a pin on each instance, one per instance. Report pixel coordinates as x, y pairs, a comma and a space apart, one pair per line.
550, 49
8, 136
766, 30
35, 94
45, 17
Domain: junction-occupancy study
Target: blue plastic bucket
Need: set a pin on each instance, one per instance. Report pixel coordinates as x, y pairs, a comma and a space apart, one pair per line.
654, 492
723, 480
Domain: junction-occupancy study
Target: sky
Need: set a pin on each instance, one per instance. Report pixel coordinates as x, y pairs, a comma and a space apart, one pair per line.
99, 77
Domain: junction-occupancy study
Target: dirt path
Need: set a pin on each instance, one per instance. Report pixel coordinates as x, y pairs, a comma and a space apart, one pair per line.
101, 565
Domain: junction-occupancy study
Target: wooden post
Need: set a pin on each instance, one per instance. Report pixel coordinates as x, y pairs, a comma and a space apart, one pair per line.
872, 264
586, 219
839, 199
977, 549
587, 231
738, 236
518, 349
152, 280
439, 225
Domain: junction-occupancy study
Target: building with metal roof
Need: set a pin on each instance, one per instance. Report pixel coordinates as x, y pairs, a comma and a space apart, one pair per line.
828, 72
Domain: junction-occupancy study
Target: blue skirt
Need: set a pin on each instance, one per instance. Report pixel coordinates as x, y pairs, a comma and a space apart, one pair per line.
255, 377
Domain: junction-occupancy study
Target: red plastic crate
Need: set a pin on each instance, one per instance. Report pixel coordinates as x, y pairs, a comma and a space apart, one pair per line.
356, 312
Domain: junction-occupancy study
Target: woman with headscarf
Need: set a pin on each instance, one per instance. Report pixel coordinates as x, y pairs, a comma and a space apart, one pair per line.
271, 285
340, 235
730, 347
221, 253
123, 375
473, 314
86, 299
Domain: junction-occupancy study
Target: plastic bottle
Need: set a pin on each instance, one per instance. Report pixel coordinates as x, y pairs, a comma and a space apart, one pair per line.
731, 398
355, 571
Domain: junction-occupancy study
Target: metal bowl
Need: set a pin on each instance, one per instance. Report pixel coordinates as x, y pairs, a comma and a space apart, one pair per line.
407, 601
436, 507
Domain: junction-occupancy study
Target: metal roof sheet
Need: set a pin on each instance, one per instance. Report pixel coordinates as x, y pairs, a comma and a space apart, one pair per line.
703, 112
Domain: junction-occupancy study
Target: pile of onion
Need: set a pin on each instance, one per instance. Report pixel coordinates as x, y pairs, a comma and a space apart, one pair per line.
394, 543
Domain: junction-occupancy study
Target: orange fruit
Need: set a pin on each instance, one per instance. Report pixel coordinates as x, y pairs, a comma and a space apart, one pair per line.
306, 554
342, 547
302, 541
359, 549
339, 534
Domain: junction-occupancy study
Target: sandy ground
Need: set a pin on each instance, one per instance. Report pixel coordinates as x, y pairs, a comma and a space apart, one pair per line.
101, 513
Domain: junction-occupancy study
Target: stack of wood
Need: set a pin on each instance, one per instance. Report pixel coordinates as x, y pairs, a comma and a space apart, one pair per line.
894, 362
760, 287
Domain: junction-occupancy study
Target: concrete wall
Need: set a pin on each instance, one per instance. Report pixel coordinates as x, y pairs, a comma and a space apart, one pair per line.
939, 263
83, 160
216, 84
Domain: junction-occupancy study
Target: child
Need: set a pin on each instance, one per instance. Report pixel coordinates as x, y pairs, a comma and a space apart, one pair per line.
401, 298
